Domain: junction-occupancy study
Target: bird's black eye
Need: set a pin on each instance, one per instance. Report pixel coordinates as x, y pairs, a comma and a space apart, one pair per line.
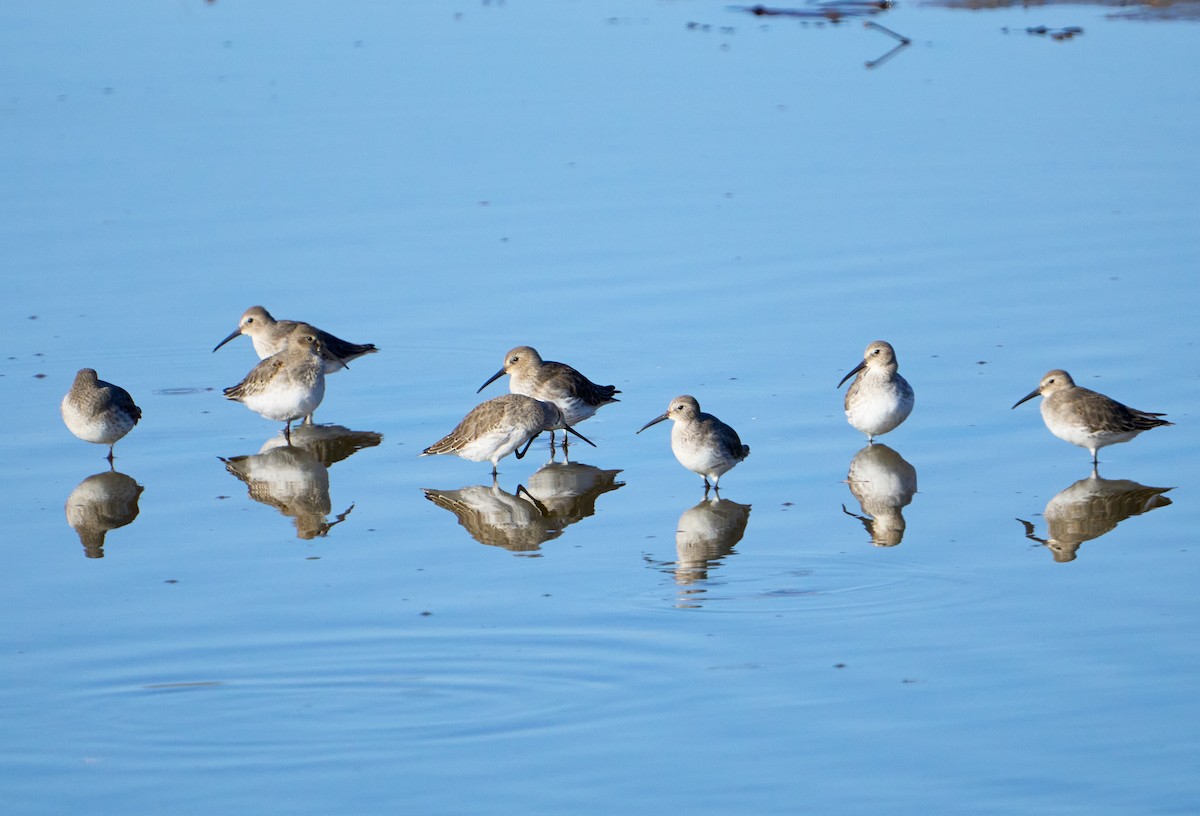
513, 359
249, 320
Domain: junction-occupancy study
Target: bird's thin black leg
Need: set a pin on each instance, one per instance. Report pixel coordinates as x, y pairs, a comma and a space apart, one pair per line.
521, 453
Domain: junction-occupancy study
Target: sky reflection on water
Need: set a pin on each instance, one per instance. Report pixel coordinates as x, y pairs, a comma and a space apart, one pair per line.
674, 198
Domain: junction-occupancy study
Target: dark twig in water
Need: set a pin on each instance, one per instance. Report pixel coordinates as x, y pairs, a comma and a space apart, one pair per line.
834, 10
872, 24
902, 43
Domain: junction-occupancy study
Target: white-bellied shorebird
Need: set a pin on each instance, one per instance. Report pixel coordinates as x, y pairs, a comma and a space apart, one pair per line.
289, 384
97, 411
1085, 417
702, 443
879, 399
500, 426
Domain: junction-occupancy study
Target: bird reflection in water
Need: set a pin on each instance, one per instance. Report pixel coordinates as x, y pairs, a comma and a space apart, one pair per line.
884, 483
558, 495
328, 443
102, 502
1090, 508
568, 490
705, 534
294, 479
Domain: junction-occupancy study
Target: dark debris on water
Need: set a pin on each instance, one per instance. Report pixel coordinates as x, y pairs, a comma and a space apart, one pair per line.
1067, 33
833, 10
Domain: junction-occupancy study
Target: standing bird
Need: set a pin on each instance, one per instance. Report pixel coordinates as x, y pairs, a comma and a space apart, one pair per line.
289, 384
97, 411
270, 336
702, 443
879, 399
576, 396
1086, 418
498, 427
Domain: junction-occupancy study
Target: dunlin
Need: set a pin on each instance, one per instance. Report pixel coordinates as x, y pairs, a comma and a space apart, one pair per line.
270, 336
97, 411
576, 396
289, 384
1086, 418
498, 427
702, 443
879, 399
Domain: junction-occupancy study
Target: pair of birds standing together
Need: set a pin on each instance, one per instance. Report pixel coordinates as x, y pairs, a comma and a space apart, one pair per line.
880, 399
289, 383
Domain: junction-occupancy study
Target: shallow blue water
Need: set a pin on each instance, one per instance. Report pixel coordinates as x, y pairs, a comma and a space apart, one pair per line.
732, 212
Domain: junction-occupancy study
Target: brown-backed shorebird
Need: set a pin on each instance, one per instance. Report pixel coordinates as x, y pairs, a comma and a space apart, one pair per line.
1086, 418
500, 426
576, 396
97, 411
270, 336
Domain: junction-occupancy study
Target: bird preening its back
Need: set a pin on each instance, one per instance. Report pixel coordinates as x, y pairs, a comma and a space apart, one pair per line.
500, 426
98, 411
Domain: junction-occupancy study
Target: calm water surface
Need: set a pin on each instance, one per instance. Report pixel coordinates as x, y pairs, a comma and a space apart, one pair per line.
675, 198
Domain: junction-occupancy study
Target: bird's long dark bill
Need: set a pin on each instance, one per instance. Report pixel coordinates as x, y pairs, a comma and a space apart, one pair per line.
492, 379
654, 421
1026, 398
571, 430
853, 371
232, 335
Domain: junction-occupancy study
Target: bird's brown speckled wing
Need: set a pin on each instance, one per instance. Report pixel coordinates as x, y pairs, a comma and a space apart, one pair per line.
1106, 414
